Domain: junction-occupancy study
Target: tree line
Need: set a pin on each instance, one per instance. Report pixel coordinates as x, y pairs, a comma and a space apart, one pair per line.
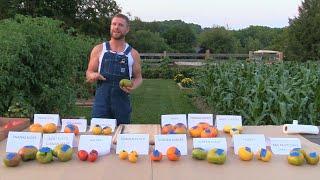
299, 41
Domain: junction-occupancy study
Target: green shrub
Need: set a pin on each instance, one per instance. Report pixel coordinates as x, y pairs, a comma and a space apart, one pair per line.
40, 63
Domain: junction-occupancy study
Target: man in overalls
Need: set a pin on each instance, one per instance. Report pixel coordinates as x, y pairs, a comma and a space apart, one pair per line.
109, 63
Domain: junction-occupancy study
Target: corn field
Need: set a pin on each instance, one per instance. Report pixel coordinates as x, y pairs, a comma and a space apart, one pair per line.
263, 94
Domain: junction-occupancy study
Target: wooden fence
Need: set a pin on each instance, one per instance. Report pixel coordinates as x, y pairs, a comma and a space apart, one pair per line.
190, 57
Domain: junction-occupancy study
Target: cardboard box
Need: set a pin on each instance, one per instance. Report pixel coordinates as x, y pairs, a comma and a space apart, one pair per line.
25, 122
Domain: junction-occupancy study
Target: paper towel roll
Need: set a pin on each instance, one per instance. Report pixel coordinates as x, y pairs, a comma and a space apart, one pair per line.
296, 128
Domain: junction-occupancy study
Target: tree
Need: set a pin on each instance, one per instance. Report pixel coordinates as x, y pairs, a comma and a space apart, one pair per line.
90, 16
146, 41
181, 38
304, 32
253, 44
218, 40
95, 16
4, 9
258, 37
280, 42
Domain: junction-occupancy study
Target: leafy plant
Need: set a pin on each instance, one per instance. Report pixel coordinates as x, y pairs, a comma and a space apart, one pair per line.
165, 71
20, 110
263, 94
177, 78
40, 62
187, 82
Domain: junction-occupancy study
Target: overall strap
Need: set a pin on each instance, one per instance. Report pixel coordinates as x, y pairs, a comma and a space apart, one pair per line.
108, 46
128, 50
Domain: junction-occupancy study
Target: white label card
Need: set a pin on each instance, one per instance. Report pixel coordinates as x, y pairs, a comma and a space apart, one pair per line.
283, 146
103, 123
81, 123
16, 140
253, 141
210, 143
133, 142
47, 118
100, 143
163, 142
52, 140
194, 119
222, 120
173, 119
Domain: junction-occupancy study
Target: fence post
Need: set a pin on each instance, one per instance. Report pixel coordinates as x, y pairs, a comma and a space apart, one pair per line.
207, 55
164, 54
280, 56
250, 55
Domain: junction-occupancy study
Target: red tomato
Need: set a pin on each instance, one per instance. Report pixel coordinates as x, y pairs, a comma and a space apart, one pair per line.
82, 155
17, 122
94, 151
8, 125
93, 156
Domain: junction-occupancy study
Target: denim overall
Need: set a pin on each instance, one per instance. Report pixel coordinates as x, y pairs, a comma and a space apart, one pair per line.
111, 101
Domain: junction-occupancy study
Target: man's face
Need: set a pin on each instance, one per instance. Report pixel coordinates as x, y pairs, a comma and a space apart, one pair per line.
119, 28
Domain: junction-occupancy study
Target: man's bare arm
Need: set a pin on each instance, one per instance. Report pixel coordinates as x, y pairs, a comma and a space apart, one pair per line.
92, 74
136, 72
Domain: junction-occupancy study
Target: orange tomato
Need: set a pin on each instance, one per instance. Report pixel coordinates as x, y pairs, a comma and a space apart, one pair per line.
49, 128
166, 128
173, 153
156, 155
36, 128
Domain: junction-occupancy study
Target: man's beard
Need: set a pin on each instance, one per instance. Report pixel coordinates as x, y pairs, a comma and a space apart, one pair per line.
120, 37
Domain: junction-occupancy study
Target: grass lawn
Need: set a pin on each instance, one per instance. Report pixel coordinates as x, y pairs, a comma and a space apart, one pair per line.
156, 97
149, 101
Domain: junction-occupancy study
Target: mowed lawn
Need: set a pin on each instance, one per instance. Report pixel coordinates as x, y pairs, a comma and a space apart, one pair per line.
152, 99
156, 97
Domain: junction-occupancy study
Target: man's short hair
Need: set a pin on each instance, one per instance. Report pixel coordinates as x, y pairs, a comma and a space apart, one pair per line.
123, 17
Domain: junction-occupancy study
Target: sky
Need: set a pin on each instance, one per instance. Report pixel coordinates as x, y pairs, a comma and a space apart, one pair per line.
234, 14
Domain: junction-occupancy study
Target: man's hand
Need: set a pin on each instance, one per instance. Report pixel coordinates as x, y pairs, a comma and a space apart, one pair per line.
127, 89
94, 76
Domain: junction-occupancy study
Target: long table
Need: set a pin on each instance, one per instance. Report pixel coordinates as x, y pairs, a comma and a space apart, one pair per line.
111, 167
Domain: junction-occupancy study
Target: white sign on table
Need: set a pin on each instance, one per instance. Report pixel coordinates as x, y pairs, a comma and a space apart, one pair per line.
173, 119
194, 119
16, 140
163, 142
253, 141
210, 143
52, 140
283, 146
100, 143
103, 123
233, 120
133, 142
81, 123
47, 118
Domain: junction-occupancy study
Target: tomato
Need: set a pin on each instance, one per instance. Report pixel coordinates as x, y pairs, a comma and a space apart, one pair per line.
17, 122
93, 156
94, 151
13, 123
9, 125
82, 155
